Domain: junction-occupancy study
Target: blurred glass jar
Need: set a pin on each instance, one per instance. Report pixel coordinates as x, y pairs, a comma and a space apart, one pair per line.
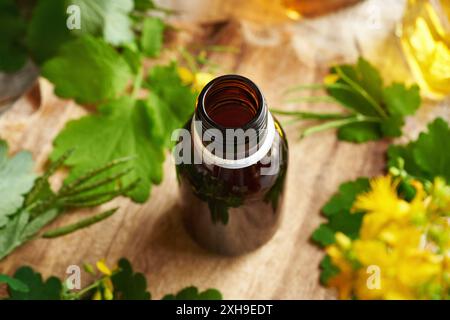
295, 9
425, 38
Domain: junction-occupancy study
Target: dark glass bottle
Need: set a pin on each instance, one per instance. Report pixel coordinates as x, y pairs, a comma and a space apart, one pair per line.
231, 186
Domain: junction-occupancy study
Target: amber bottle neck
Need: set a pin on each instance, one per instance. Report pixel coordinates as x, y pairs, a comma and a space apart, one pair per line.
231, 102
232, 119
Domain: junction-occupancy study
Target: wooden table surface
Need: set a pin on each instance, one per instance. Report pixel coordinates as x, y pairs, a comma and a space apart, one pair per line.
151, 235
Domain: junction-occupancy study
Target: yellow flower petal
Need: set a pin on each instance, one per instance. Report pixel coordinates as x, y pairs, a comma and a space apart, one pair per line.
107, 283
382, 198
330, 78
201, 80
186, 76
108, 294
103, 268
343, 241
97, 295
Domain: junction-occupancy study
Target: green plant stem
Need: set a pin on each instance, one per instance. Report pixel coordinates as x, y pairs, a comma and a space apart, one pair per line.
99, 183
166, 11
312, 115
190, 60
99, 198
312, 99
58, 232
137, 84
362, 92
92, 173
43, 180
337, 124
78, 295
317, 86
219, 48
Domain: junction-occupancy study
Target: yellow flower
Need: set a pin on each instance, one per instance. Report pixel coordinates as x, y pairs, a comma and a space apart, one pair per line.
382, 197
411, 259
103, 268
382, 206
196, 80
201, 80
372, 252
186, 76
97, 295
330, 78
343, 281
343, 241
107, 293
418, 267
107, 283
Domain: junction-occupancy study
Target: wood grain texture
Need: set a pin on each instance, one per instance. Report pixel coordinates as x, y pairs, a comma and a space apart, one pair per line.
151, 235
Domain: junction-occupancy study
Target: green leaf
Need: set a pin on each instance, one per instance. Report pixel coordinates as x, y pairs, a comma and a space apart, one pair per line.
11, 235
165, 82
12, 29
405, 152
210, 294
428, 156
16, 179
338, 212
349, 98
376, 112
144, 5
14, 284
38, 289
329, 270
171, 103
432, 150
129, 285
106, 18
323, 235
88, 70
164, 120
360, 132
392, 126
192, 293
47, 30
42, 205
343, 200
132, 56
346, 222
121, 128
35, 225
152, 36
370, 79
401, 101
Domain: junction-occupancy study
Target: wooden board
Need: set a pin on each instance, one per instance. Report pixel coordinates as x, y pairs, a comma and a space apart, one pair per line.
152, 236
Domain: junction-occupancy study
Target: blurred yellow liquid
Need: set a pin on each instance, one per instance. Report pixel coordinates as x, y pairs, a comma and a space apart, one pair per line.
425, 39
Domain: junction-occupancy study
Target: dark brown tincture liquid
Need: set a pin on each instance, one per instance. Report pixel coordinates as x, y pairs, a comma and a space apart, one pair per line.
228, 210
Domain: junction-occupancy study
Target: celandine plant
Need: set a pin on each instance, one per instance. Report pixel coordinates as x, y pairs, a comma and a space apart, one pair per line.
389, 237
118, 283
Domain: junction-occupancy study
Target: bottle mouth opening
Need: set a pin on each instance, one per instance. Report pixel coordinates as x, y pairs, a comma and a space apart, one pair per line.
231, 117
231, 102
